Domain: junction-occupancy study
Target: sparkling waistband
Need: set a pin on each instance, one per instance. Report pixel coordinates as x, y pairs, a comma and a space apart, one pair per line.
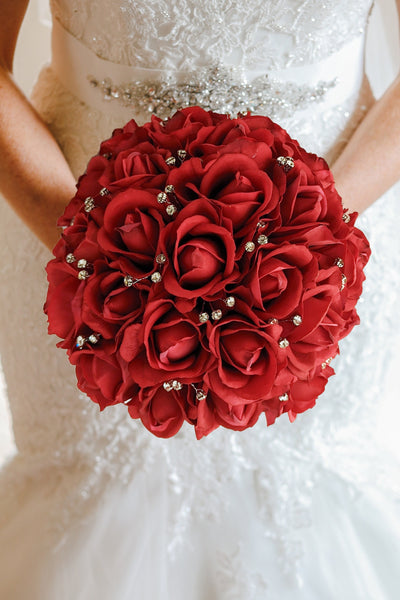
128, 90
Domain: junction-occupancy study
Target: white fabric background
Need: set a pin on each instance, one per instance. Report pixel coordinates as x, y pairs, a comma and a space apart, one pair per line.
383, 60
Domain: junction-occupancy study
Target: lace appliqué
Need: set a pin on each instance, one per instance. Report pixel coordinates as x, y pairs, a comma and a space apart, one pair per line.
187, 35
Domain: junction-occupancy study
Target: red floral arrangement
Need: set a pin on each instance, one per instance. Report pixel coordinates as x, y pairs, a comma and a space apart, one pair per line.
206, 273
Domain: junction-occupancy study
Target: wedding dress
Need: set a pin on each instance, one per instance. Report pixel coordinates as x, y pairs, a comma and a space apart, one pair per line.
91, 505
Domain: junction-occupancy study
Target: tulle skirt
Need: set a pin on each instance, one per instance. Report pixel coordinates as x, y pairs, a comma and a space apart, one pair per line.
122, 551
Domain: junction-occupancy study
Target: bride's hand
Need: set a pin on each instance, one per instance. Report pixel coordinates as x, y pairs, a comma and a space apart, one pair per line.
34, 175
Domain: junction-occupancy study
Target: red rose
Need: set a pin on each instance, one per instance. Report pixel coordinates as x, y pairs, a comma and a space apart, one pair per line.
101, 376
107, 303
277, 279
235, 416
180, 130
64, 300
201, 254
243, 192
247, 359
128, 137
173, 347
161, 412
131, 230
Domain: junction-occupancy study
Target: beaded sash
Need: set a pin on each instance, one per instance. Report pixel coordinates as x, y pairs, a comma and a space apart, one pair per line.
128, 90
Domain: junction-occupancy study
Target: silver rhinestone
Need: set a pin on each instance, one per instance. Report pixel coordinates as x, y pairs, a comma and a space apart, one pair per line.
203, 317
169, 189
216, 315
182, 154
93, 338
346, 218
344, 281
297, 320
128, 281
161, 259
89, 204
80, 341
104, 192
339, 262
286, 162
262, 239
176, 385
171, 160
83, 275
283, 343
230, 301
167, 385
284, 397
273, 321
156, 277
82, 263
70, 258
171, 209
162, 197
249, 246
200, 395
261, 224
324, 365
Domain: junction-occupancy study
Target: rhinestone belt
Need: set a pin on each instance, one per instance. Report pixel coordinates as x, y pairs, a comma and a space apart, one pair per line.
213, 88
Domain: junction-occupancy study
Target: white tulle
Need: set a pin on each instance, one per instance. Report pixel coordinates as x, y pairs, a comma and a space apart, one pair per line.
92, 506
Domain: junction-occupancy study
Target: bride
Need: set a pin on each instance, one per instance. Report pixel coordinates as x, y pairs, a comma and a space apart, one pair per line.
92, 506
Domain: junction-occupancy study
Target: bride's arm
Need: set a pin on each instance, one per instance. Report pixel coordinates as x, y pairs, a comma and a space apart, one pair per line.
370, 163
34, 175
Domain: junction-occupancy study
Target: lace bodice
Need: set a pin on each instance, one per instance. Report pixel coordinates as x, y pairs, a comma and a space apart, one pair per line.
61, 433
185, 35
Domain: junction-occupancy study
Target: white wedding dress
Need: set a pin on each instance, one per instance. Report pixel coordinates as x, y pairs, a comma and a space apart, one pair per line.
92, 507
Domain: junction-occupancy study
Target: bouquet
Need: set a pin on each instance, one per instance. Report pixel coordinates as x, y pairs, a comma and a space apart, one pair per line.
206, 273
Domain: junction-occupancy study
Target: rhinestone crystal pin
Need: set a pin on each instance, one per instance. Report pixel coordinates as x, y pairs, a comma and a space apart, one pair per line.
286, 162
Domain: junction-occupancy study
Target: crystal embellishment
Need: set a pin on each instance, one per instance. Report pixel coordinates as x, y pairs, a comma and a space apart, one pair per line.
82, 275
262, 239
80, 342
156, 277
161, 259
171, 210
283, 343
297, 320
203, 317
216, 315
82, 263
128, 281
346, 217
70, 258
230, 301
162, 197
249, 246
218, 88
286, 162
89, 204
